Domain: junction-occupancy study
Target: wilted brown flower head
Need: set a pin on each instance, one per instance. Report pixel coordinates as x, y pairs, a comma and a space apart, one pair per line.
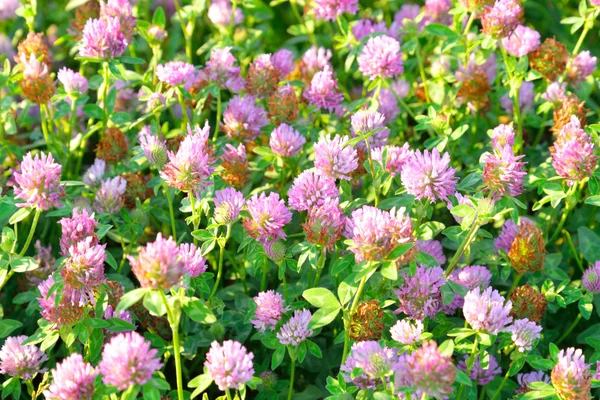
235, 166
283, 105
115, 292
113, 146
367, 322
528, 303
34, 44
527, 252
37, 84
262, 77
90, 9
568, 107
136, 189
550, 59
474, 90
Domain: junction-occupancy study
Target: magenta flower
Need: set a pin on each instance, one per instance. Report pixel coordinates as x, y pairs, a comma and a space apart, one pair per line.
479, 374
283, 61
375, 233
228, 204
502, 19
582, 65
426, 370
244, 118
221, 69
428, 176
503, 135
381, 57
420, 295
407, 332
128, 360
523, 333
73, 379
21, 361
395, 158
229, 365
61, 313
286, 141
296, 331
374, 360
522, 41
370, 124
329, 10
109, 198
72, 81
591, 278
122, 10
38, 182
175, 73
159, 264
190, 169
310, 189
433, 248
470, 277
269, 309
486, 310
220, 12
84, 270
191, 255
94, 174
76, 229
268, 216
102, 38
334, 158
8, 9
154, 147
574, 159
571, 375
325, 223
323, 91
503, 173
507, 235
365, 27
556, 92
316, 59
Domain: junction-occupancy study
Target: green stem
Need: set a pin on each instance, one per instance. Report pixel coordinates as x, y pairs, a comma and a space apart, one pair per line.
461, 249
514, 285
320, 265
263, 279
171, 213
293, 372
36, 218
184, 114
220, 267
563, 218
44, 126
361, 287
516, 105
106, 79
569, 330
188, 39
218, 120
422, 71
228, 394
174, 323
465, 35
499, 390
472, 357
575, 253
482, 394
194, 220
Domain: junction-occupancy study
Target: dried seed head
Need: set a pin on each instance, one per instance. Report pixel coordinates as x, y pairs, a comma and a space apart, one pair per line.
527, 252
113, 146
367, 322
528, 303
34, 44
550, 59
568, 107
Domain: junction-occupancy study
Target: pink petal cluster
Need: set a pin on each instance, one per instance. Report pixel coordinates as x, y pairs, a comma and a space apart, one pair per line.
429, 176
310, 189
381, 57
38, 182
269, 310
229, 365
334, 158
158, 265
244, 119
